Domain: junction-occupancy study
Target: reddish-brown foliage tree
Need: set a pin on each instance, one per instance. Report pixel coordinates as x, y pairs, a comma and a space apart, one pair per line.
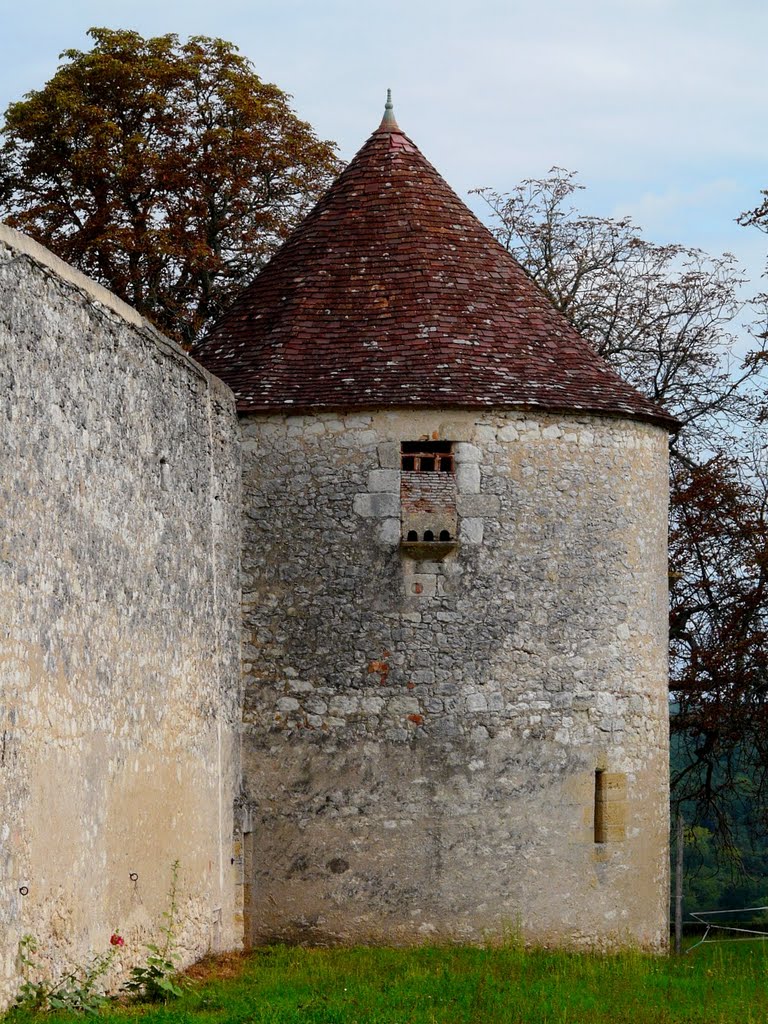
719, 638
168, 171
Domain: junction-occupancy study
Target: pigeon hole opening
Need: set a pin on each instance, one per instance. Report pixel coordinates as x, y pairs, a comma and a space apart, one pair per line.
426, 457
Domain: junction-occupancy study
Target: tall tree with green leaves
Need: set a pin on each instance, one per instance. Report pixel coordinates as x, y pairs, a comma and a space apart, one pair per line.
166, 170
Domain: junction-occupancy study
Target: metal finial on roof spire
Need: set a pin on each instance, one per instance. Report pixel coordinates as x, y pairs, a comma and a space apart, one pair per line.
388, 122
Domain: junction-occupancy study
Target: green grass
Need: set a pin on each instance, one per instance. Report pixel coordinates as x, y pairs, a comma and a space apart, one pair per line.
716, 984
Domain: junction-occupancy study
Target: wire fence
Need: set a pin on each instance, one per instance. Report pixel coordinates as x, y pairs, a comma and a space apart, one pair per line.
728, 927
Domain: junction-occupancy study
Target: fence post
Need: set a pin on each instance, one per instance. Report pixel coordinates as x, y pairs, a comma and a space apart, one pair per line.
679, 884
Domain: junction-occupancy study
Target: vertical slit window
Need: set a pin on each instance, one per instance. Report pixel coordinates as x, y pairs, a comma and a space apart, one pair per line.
599, 818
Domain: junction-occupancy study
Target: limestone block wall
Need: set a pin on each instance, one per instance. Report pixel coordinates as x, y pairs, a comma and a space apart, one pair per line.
468, 747
119, 625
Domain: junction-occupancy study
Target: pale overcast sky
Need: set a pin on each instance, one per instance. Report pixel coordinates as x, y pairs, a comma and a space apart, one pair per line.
659, 104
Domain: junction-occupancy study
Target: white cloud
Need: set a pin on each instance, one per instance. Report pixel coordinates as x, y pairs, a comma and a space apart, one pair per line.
653, 210
658, 103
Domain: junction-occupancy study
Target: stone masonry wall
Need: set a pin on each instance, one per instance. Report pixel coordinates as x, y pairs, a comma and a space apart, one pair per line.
466, 748
119, 641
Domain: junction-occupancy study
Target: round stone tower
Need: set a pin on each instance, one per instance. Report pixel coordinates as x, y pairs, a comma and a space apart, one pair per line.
454, 588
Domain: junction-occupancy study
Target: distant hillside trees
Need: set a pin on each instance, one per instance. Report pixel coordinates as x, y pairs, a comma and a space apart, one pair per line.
167, 171
667, 317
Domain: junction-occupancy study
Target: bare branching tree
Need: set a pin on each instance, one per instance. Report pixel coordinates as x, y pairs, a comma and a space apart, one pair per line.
669, 318
666, 316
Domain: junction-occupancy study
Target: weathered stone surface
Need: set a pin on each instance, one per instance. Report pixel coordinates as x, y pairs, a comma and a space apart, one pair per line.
389, 455
464, 452
384, 480
472, 531
377, 505
388, 532
478, 505
119, 690
459, 708
468, 478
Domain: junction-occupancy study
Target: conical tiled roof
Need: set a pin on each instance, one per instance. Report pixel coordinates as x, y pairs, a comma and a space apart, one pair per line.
392, 293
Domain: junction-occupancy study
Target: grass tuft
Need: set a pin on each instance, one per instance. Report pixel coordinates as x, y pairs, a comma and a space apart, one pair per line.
716, 984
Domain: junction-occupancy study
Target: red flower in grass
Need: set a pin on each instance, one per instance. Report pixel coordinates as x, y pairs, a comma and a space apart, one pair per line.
116, 940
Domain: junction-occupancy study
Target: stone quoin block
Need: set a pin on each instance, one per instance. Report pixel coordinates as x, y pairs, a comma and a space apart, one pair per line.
465, 452
471, 531
389, 455
384, 480
377, 506
468, 478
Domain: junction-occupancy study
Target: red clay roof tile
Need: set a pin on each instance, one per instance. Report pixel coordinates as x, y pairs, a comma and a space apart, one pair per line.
392, 293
